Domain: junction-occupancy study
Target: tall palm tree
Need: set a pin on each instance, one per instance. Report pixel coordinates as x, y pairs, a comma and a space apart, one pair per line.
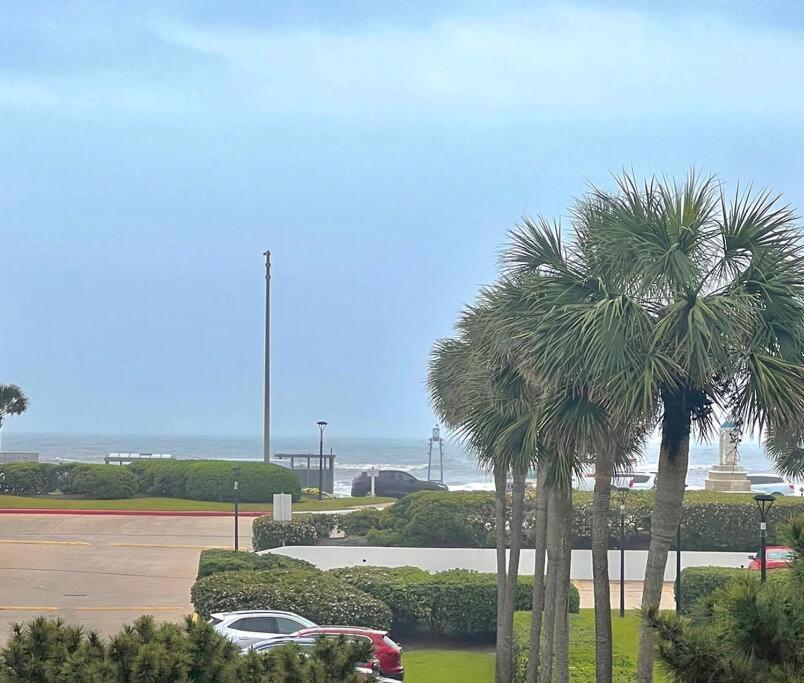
484, 400
670, 300
12, 402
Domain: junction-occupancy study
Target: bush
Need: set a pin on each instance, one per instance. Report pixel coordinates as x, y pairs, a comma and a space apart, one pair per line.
700, 584
323, 523
46, 650
267, 534
102, 482
32, 478
258, 482
458, 601
215, 560
359, 522
162, 478
313, 594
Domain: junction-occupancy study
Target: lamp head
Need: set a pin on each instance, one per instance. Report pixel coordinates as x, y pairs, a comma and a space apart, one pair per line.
321, 424
764, 502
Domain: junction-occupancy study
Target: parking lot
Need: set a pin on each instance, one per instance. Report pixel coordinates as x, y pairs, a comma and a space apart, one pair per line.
103, 571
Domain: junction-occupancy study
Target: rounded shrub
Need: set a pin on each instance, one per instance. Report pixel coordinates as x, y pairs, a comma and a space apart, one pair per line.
267, 534
395, 586
359, 522
102, 481
258, 482
28, 478
215, 560
324, 523
163, 478
313, 594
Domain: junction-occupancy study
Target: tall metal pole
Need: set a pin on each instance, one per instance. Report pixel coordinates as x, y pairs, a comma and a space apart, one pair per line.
266, 420
321, 464
678, 569
236, 473
763, 558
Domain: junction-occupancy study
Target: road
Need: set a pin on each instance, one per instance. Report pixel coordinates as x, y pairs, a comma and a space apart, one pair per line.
103, 571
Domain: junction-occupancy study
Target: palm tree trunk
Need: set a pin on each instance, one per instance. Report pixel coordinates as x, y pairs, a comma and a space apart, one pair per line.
564, 521
540, 545
500, 478
665, 518
509, 604
604, 468
548, 623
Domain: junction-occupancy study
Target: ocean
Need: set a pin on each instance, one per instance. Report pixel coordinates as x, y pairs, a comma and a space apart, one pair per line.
353, 455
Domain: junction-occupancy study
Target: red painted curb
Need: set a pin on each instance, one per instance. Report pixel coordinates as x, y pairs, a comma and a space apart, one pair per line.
133, 513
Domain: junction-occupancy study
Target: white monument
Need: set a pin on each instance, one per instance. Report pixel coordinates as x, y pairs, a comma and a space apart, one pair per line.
728, 475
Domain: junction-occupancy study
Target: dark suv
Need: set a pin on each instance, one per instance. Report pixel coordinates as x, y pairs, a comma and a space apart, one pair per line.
393, 484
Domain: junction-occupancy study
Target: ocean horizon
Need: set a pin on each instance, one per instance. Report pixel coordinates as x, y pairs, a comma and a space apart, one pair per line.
353, 454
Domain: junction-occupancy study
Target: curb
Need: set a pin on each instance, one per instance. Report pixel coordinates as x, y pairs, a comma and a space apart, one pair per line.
131, 513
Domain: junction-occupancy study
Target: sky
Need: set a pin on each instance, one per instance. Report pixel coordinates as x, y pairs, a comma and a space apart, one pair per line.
150, 152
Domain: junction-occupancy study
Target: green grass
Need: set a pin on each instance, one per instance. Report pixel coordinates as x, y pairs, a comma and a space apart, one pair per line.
437, 666
448, 666
175, 504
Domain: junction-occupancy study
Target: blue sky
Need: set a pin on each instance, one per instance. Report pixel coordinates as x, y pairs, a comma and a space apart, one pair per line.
150, 152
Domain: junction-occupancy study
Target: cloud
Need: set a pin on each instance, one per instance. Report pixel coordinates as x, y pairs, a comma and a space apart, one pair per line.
549, 62
552, 61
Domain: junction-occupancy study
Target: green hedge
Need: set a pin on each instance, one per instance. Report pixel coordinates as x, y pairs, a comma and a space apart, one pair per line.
213, 480
699, 585
313, 594
102, 482
162, 478
458, 602
710, 522
215, 560
267, 534
32, 478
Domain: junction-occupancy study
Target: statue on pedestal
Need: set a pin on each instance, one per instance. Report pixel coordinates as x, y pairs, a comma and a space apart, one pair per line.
728, 475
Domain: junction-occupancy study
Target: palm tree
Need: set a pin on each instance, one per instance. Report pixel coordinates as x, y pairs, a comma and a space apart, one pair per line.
669, 301
12, 402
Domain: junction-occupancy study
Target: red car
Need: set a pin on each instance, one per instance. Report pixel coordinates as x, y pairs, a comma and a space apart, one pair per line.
776, 557
386, 651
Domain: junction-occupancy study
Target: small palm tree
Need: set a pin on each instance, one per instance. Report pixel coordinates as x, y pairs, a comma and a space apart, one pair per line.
12, 401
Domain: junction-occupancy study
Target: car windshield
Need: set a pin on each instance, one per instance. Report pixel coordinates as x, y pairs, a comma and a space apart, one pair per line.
779, 555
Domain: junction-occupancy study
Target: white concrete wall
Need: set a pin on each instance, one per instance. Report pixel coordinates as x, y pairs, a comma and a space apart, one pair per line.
483, 559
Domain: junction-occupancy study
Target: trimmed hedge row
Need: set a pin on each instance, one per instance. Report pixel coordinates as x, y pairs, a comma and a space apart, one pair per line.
457, 601
313, 594
215, 560
710, 522
267, 534
214, 480
195, 479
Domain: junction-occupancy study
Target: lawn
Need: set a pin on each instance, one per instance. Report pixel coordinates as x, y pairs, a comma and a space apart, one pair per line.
448, 666
435, 666
176, 504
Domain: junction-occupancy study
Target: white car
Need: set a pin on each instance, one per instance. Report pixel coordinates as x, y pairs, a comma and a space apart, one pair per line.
636, 481
773, 484
247, 627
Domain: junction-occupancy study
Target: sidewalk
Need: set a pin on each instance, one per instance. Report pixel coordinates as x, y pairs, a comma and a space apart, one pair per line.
633, 595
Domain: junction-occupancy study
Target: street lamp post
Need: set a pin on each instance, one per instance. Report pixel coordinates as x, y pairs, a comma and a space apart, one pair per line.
236, 475
321, 426
764, 502
623, 492
678, 568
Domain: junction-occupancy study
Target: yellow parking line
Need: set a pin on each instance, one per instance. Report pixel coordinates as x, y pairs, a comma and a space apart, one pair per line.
132, 609
166, 545
26, 608
30, 542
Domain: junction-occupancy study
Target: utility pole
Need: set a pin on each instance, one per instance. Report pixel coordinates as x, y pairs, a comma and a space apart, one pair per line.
266, 420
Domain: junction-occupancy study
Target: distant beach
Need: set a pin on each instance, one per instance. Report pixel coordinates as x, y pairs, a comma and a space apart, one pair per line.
353, 454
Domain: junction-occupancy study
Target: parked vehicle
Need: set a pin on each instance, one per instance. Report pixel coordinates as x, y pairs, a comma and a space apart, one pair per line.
773, 484
776, 557
386, 651
636, 481
306, 645
246, 627
394, 484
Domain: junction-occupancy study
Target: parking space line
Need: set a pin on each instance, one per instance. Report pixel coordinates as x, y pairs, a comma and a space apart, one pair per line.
168, 545
26, 608
22, 541
132, 609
